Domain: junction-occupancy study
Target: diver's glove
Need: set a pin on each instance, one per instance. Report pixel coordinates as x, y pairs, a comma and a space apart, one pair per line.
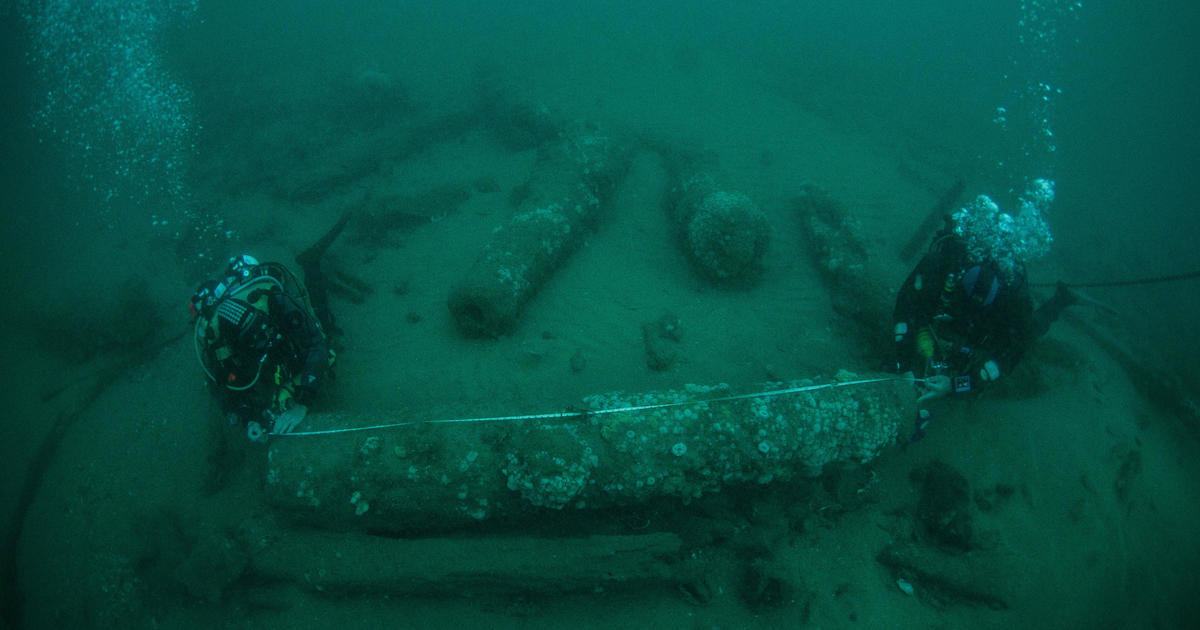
990, 371
286, 421
936, 386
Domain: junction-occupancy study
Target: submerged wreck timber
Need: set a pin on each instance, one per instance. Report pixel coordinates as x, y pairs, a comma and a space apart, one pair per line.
411, 476
353, 563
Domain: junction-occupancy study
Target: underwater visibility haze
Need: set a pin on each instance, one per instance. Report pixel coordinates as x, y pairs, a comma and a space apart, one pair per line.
607, 293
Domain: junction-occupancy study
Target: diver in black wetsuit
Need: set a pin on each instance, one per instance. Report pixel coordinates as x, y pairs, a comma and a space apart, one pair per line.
960, 325
262, 338
964, 316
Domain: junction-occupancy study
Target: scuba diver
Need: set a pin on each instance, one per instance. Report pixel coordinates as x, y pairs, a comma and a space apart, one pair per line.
964, 316
263, 339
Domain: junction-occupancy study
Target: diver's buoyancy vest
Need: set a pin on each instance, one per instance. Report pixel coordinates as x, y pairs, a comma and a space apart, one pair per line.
234, 342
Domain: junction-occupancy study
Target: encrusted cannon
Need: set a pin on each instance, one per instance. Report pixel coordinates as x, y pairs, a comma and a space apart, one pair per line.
414, 475
571, 180
724, 232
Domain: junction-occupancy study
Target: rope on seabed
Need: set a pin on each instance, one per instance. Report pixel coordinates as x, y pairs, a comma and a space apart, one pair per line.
1126, 283
598, 412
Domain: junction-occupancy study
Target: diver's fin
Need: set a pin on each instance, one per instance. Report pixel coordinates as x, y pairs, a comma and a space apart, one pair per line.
313, 254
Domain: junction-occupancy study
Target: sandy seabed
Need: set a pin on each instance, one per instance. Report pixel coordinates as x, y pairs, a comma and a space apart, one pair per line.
1083, 495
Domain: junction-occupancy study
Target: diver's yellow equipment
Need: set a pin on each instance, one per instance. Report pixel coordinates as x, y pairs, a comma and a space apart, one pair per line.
925, 343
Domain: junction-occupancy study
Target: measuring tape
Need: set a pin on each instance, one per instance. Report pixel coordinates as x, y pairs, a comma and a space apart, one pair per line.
563, 415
